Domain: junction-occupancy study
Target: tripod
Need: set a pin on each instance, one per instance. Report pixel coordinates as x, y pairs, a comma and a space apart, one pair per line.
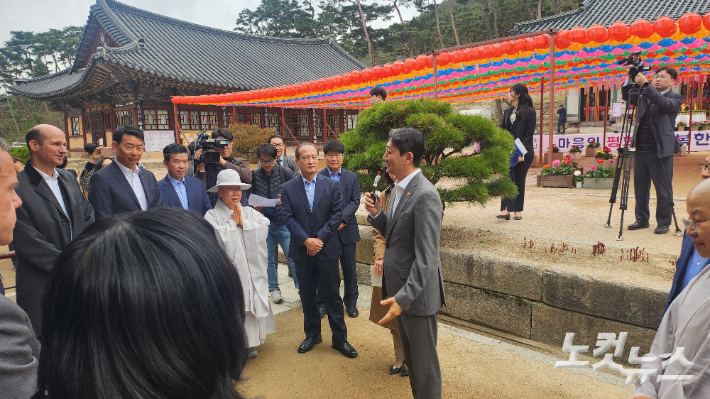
626, 158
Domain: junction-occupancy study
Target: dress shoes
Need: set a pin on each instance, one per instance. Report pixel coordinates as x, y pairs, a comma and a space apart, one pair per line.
504, 217
639, 224
345, 349
405, 372
395, 370
309, 343
661, 230
322, 312
352, 312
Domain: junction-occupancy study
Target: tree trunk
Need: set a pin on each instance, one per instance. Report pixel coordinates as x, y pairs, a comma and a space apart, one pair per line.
313, 17
486, 16
374, 58
46, 110
438, 27
6, 122
495, 18
559, 7
21, 100
453, 24
527, 7
410, 45
11, 113
539, 9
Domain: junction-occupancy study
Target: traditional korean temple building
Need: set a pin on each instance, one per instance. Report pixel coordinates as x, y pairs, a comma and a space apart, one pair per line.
130, 62
582, 104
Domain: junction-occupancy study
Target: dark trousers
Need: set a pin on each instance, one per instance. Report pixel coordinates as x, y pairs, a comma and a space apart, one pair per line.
647, 169
321, 275
347, 262
561, 124
517, 174
419, 337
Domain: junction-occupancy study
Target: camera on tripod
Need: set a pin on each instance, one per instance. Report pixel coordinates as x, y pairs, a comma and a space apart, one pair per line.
209, 147
636, 64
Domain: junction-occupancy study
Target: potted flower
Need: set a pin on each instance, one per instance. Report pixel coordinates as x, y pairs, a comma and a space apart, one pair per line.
576, 152
604, 154
601, 175
683, 150
705, 125
578, 179
695, 126
681, 126
556, 155
592, 148
561, 174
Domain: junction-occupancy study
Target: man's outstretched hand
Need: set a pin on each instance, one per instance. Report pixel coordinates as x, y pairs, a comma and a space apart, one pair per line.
395, 310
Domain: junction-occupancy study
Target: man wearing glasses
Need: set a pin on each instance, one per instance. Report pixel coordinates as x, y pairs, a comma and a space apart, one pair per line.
281, 159
266, 182
654, 152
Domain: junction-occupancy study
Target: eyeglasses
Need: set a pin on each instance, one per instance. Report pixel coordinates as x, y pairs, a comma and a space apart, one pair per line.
689, 223
278, 145
263, 162
336, 155
703, 166
661, 76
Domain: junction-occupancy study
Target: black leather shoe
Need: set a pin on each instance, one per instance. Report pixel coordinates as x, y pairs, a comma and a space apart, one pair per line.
322, 312
345, 349
352, 312
639, 224
405, 372
309, 343
396, 370
504, 217
661, 230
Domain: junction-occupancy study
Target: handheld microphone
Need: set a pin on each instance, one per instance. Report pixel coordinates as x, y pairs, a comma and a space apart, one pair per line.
374, 189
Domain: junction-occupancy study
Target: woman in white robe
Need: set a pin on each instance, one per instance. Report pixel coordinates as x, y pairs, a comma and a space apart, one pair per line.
237, 229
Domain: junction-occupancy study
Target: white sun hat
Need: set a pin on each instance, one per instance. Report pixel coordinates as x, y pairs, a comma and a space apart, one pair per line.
228, 177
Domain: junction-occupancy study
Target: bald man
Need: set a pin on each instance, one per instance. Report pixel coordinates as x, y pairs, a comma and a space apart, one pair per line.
53, 212
686, 323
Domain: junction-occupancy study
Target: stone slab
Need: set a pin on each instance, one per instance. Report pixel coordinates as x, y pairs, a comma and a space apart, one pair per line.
492, 274
502, 312
627, 303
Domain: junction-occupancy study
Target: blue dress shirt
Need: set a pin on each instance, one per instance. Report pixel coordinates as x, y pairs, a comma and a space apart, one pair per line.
335, 176
695, 265
310, 189
181, 191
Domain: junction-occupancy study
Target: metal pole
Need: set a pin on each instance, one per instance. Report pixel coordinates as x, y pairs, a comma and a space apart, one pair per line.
435, 78
550, 121
542, 101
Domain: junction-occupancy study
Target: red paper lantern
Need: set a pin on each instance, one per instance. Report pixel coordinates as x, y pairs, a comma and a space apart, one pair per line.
664, 27
706, 21
409, 65
347, 79
443, 59
329, 83
338, 80
519, 45
466, 55
298, 89
578, 35
619, 31
690, 23
421, 62
495, 50
366, 75
562, 39
505, 47
597, 34
642, 29
430, 61
457, 56
398, 67
321, 84
530, 44
377, 73
356, 76
476, 53
387, 70
487, 51
543, 41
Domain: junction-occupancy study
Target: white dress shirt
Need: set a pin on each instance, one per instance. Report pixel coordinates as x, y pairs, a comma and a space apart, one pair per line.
53, 183
399, 187
134, 180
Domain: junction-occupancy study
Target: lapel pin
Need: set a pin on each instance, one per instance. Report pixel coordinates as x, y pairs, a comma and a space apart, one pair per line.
408, 194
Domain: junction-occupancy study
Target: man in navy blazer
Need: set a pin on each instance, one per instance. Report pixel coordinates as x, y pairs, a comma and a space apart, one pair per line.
178, 190
123, 186
689, 263
311, 211
348, 231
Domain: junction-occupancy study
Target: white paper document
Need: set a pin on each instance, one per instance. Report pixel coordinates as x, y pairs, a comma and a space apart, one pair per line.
376, 281
519, 145
257, 200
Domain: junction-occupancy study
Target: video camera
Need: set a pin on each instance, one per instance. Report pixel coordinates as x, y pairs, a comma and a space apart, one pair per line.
636, 64
209, 147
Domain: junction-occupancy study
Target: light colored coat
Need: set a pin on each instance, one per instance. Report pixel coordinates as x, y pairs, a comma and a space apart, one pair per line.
251, 265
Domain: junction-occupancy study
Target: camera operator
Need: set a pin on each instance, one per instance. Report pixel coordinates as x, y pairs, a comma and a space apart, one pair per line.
208, 172
654, 153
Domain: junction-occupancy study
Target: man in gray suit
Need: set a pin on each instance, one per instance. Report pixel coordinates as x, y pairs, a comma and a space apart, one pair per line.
412, 281
19, 348
54, 211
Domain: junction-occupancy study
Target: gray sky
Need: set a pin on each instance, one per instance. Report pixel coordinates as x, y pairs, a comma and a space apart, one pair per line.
42, 15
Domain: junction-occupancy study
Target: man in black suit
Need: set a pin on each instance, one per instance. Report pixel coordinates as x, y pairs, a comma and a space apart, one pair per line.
348, 231
54, 211
654, 153
19, 348
123, 186
178, 190
311, 211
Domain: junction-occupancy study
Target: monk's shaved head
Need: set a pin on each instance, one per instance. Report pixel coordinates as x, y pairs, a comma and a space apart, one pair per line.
702, 190
698, 206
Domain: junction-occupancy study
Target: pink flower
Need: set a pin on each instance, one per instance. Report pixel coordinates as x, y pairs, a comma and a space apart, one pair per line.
556, 163
568, 162
593, 167
476, 147
611, 162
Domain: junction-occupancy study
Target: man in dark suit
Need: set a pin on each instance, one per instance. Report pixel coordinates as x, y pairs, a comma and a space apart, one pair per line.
178, 190
654, 153
19, 348
311, 211
348, 231
123, 186
412, 266
54, 211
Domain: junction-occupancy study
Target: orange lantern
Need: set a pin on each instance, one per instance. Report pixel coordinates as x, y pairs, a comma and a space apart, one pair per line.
329, 83
519, 45
430, 61
356, 76
542, 41
529, 44
421, 62
366, 75
338, 80
321, 84
706, 21
376, 73
398, 67
495, 48
387, 70
487, 51
578, 35
476, 53
619, 31
347, 79
505, 47
466, 55
457, 56
664, 27
690, 23
443, 59
562, 39
597, 34
642, 29
409, 65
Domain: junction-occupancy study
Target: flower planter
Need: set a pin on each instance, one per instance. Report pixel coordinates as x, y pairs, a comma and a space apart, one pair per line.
704, 127
576, 155
578, 184
680, 128
556, 156
598, 184
590, 152
560, 181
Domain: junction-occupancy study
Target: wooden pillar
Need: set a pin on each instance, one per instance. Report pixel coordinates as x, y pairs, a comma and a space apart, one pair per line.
67, 126
690, 118
550, 120
283, 123
586, 108
542, 101
436, 78
177, 123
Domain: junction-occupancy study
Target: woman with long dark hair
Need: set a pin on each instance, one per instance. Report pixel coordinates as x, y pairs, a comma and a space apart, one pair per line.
139, 308
519, 120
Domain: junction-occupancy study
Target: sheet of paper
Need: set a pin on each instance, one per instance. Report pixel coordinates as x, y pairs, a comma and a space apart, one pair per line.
256, 200
520, 146
376, 281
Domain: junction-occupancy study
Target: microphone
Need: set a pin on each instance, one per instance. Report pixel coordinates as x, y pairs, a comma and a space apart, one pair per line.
374, 189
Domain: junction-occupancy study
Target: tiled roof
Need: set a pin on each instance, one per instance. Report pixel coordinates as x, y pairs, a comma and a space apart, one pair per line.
189, 53
606, 12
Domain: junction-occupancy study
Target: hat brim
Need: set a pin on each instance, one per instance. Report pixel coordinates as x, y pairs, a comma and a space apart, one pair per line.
242, 186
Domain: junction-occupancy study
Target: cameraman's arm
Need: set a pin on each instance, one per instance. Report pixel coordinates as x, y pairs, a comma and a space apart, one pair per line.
242, 167
665, 104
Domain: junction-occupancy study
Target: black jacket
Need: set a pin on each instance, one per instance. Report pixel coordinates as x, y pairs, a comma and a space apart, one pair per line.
664, 109
523, 128
350, 189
